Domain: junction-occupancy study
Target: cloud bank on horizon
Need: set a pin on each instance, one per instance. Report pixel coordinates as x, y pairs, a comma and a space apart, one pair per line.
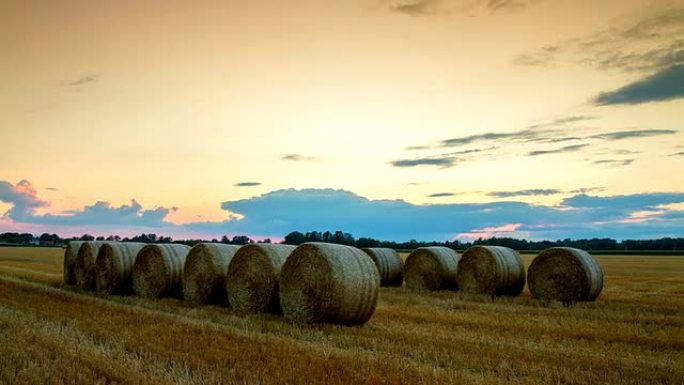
274, 214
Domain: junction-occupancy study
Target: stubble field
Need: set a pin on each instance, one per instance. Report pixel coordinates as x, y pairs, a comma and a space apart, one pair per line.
633, 334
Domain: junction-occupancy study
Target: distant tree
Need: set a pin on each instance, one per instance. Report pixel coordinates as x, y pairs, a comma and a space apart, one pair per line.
241, 240
294, 238
267, 240
87, 237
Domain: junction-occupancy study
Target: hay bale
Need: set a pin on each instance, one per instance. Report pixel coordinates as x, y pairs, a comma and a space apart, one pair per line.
389, 264
70, 261
326, 283
252, 280
114, 267
431, 268
204, 273
565, 274
158, 270
491, 270
84, 270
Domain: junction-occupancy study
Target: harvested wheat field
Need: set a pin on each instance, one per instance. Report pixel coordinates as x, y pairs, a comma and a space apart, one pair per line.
633, 333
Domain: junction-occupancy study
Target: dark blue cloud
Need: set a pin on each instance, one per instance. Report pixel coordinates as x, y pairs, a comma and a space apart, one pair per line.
247, 184
280, 212
103, 213
444, 162
664, 85
530, 192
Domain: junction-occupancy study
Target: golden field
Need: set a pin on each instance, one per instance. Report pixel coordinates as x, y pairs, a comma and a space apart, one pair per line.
633, 334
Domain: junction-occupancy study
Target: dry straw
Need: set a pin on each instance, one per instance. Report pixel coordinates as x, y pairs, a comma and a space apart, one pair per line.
204, 273
326, 283
491, 270
565, 274
114, 267
252, 281
431, 268
389, 264
84, 270
158, 269
70, 262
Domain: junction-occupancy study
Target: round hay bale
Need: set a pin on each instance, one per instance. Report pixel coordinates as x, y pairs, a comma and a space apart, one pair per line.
204, 273
389, 264
431, 268
84, 270
491, 270
114, 267
326, 283
70, 261
565, 274
158, 269
252, 280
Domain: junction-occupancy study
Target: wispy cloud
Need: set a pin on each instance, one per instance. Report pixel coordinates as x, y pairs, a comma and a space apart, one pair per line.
445, 162
615, 162
626, 46
530, 192
415, 7
441, 195
52, 188
434, 7
85, 80
677, 153
573, 148
247, 184
619, 135
667, 84
299, 158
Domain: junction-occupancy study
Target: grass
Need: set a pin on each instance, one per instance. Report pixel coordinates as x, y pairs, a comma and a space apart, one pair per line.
633, 334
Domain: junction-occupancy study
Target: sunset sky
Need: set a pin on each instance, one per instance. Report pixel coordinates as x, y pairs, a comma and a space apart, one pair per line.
432, 119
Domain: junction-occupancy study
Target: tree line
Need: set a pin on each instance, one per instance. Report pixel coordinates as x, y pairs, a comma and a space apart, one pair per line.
340, 237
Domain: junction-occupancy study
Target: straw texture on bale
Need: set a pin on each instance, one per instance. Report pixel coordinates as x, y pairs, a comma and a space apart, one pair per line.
204, 273
252, 281
565, 274
326, 283
389, 264
158, 270
114, 267
84, 270
431, 268
70, 262
491, 270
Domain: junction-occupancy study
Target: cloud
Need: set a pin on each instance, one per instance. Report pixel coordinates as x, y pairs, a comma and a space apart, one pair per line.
23, 197
530, 192
508, 5
52, 188
615, 162
574, 147
434, 7
677, 153
507, 230
444, 162
279, 212
282, 211
441, 195
299, 158
247, 184
618, 135
85, 80
667, 84
416, 7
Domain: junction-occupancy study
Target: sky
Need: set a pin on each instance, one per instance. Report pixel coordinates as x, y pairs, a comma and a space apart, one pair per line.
396, 119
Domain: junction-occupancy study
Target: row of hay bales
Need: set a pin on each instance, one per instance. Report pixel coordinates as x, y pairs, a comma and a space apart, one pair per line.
559, 273
319, 282
312, 283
